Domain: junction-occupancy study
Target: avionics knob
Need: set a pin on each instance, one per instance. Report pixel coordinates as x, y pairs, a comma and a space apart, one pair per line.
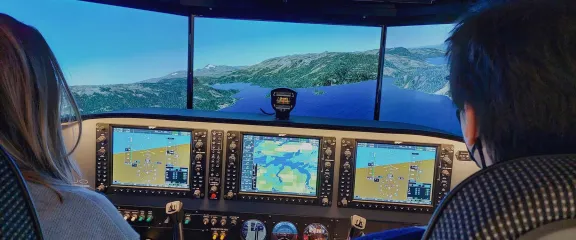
199, 144
445, 172
347, 165
205, 221
223, 221
198, 157
325, 201
344, 202
101, 139
232, 146
101, 188
197, 193
101, 151
446, 159
214, 189
328, 151
327, 164
213, 221
347, 153
232, 158
229, 195
233, 222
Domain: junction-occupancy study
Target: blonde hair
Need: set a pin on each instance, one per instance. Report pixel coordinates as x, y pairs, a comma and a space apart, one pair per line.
33, 93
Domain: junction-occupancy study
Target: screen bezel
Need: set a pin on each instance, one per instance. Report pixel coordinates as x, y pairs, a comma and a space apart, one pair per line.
318, 169
435, 174
111, 164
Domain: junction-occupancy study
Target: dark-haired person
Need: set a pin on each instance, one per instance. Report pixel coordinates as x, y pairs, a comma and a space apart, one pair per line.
513, 80
32, 91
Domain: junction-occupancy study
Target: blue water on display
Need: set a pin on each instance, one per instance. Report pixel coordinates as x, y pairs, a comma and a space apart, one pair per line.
356, 101
388, 156
144, 141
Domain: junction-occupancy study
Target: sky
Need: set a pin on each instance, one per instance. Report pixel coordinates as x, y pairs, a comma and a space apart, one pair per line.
101, 44
243, 42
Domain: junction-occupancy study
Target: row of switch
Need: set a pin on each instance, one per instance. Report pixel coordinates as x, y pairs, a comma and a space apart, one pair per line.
139, 216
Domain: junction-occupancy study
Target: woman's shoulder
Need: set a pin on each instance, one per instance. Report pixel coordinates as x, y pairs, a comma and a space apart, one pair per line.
104, 217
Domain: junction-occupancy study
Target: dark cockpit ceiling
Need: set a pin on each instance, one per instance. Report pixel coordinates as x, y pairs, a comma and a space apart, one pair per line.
347, 12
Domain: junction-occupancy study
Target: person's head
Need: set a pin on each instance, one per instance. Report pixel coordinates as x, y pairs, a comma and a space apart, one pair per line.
32, 94
513, 78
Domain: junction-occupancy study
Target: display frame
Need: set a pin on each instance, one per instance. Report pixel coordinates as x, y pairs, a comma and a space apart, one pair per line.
323, 195
106, 161
440, 185
318, 167
190, 160
434, 174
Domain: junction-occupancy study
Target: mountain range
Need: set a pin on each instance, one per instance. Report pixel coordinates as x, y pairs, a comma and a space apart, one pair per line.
410, 68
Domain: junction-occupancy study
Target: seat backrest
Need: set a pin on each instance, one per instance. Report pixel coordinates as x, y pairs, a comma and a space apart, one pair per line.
18, 219
510, 200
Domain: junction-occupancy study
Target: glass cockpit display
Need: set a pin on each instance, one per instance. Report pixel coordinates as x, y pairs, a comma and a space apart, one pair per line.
392, 173
151, 158
279, 165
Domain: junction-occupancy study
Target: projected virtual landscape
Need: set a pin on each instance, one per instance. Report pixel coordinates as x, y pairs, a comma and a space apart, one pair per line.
246, 88
138, 59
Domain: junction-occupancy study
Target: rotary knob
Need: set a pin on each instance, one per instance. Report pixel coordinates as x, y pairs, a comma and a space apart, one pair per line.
101, 188
198, 157
232, 145
214, 189
101, 139
232, 158
199, 144
344, 202
447, 160
328, 151
327, 164
197, 193
325, 201
347, 165
347, 153
229, 195
101, 151
445, 172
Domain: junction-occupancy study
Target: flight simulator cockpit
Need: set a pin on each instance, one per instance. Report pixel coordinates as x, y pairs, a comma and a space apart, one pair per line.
176, 101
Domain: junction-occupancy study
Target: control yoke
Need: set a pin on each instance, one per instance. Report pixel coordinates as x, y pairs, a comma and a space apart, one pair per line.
357, 225
175, 212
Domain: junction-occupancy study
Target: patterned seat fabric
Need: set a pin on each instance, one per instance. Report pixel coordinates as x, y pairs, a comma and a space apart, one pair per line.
508, 200
18, 219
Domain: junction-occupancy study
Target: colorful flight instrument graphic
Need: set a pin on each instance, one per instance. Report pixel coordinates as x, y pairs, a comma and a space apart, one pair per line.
394, 173
150, 158
280, 165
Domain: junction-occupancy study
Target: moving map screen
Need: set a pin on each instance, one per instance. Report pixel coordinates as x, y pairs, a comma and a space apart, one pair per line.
279, 165
394, 173
151, 158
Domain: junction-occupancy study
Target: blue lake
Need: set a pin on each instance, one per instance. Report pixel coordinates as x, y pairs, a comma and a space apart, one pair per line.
437, 60
355, 101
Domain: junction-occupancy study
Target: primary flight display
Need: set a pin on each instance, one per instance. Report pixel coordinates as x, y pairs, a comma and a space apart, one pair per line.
151, 157
394, 173
279, 165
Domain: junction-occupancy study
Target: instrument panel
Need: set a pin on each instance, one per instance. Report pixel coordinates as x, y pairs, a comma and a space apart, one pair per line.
265, 167
263, 172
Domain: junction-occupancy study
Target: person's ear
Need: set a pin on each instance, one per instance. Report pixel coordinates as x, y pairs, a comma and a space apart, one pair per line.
470, 128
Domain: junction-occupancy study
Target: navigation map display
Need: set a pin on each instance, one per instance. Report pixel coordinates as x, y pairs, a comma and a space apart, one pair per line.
394, 173
279, 165
151, 158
